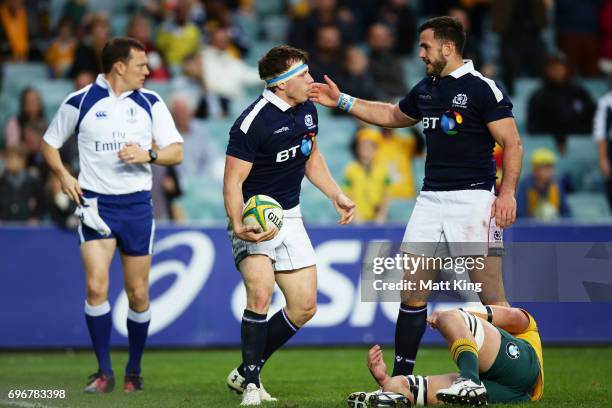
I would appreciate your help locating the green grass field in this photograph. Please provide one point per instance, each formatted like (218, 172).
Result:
(322, 377)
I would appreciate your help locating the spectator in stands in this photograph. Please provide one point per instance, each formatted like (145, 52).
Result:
(386, 67)
(191, 81)
(75, 11)
(560, 106)
(322, 13)
(498, 156)
(140, 29)
(539, 195)
(218, 62)
(356, 78)
(32, 135)
(326, 59)
(14, 35)
(520, 24)
(178, 37)
(202, 159)
(61, 51)
(602, 134)
(605, 30)
(578, 34)
(31, 111)
(165, 191)
(88, 52)
(399, 16)
(20, 198)
(366, 182)
(83, 79)
(396, 152)
(197, 11)
(219, 14)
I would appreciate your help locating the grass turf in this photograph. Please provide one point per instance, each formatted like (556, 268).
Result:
(317, 377)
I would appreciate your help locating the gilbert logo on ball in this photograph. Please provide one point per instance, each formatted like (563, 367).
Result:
(263, 211)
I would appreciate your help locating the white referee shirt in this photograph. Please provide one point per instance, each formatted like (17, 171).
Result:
(602, 121)
(103, 123)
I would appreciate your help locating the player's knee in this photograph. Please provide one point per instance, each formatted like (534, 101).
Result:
(97, 291)
(138, 298)
(306, 312)
(259, 300)
(449, 318)
(396, 384)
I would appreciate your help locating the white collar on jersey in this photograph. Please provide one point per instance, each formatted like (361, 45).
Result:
(467, 67)
(275, 100)
(103, 82)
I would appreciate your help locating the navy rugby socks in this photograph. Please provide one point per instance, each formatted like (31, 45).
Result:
(280, 330)
(138, 329)
(409, 329)
(99, 324)
(253, 333)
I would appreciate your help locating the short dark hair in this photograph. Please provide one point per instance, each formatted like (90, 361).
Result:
(446, 28)
(279, 59)
(118, 49)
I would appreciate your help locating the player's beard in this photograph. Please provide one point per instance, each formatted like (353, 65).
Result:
(438, 65)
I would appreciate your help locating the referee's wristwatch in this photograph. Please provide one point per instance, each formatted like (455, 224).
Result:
(152, 155)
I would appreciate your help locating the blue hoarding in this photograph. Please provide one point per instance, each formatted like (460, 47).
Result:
(197, 296)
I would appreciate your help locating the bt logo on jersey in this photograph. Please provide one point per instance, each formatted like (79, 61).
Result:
(285, 155)
(305, 147)
(430, 123)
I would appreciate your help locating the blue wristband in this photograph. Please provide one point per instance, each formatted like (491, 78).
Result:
(345, 102)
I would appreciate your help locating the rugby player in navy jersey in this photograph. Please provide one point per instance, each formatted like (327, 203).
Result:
(463, 115)
(272, 146)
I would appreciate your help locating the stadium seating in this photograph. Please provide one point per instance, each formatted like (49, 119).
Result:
(201, 202)
(589, 207)
(17, 75)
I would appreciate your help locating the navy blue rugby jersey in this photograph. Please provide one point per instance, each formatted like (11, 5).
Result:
(455, 111)
(278, 140)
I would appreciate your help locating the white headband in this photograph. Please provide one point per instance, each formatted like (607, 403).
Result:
(293, 71)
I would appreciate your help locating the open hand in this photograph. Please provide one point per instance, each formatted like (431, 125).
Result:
(326, 94)
(377, 366)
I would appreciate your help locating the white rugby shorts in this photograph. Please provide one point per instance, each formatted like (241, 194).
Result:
(291, 249)
(452, 223)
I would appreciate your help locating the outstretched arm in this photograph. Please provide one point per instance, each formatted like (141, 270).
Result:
(377, 113)
(319, 175)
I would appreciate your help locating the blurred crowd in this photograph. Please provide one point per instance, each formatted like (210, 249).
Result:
(202, 49)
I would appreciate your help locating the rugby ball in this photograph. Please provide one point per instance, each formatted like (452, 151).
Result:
(262, 211)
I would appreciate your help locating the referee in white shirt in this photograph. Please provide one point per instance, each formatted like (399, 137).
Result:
(121, 129)
(602, 133)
